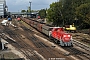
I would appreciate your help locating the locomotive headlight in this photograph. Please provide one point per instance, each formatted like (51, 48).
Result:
(68, 35)
(64, 36)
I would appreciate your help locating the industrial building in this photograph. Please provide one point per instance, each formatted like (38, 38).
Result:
(3, 8)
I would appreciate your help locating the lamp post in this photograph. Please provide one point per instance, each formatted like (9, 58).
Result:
(30, 6)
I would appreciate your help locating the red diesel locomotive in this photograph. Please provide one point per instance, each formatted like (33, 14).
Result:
(57, 33)
(61, 37)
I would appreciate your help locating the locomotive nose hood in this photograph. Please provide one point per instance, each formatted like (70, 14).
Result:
(66, 37)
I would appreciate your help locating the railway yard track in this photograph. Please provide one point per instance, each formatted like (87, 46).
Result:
(81, 51)
(21, 46)
(84, 38)
(27, 50)
(85, 48)
(33, 48)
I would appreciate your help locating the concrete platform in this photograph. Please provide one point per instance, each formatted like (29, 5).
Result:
(8, 55)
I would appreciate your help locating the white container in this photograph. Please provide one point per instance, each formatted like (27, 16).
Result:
(4, 22)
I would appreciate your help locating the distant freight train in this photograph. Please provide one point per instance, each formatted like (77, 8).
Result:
(57, 33)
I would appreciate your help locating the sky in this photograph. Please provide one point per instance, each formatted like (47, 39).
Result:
(18, 5)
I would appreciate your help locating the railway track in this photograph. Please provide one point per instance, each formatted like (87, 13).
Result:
(85, 38)
(80, 51)
(84, 48)
(85, 41)
(21, 45)
(45, 50)
(42, 48)
(19, 42)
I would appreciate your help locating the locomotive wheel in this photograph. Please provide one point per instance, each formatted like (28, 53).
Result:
(55, 40)
(61, 43)
(65, 44)
(58, 42)
(50, 37)
(71, 44)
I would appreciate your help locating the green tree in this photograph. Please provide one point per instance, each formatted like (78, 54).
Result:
(28, 10)
(23, 10)
(67, 11)
(54, 14)
(42, 13)
(83, 14)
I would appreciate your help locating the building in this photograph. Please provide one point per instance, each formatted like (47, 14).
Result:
(24, 14)
(3, 8)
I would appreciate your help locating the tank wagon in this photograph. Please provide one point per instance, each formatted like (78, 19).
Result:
(57, 33)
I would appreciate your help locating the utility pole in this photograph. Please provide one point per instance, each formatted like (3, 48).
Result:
(30, 6)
